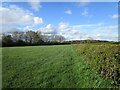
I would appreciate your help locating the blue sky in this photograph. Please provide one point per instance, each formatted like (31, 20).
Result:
(73, 20)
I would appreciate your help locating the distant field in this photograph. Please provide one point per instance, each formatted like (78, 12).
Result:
(49, 67)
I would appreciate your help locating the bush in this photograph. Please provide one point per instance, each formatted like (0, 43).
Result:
(104, 58)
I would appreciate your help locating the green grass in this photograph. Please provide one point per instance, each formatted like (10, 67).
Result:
(48, 67)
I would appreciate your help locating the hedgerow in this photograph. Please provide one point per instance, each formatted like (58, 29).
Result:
(105, 58)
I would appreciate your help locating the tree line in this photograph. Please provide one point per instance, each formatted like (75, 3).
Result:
(33, 38)
(30, 38)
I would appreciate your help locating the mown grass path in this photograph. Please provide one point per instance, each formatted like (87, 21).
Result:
(48, 67)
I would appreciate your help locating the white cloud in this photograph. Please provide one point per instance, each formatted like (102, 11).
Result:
(13, 15)
(16, 29)
(27, 28)
(88, 25)
(85, 12)
(112, 27)
(98, 33)
(68, 12)
(11, 30)
(48, 29)
(35, 5)
(106, 33)
(106, 28)
(38, 20)
(105, 36)
(49, 26)
(115, 16)
(74, 34)
(63, 25)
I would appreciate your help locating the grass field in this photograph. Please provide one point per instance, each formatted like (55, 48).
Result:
(48, 67)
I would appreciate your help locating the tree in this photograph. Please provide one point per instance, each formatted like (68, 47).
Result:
(58, 38)
(29, 36)
(45, 38)
(33, 37)
(37, 38)
(18, 36)
(89, 38)
(21, 35)
(15, 36)
(61, 38)
(7, 40)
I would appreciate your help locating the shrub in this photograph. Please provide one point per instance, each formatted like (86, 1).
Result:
(103, 57)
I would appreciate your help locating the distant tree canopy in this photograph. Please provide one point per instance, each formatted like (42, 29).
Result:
(36, 38)
(30, 38)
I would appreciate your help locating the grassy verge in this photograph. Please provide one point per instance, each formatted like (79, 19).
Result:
(105, 58)
(48, 67)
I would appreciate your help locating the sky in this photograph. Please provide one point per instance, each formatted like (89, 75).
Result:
(73, 20)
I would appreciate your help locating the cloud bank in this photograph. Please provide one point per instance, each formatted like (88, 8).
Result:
(13, 15)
